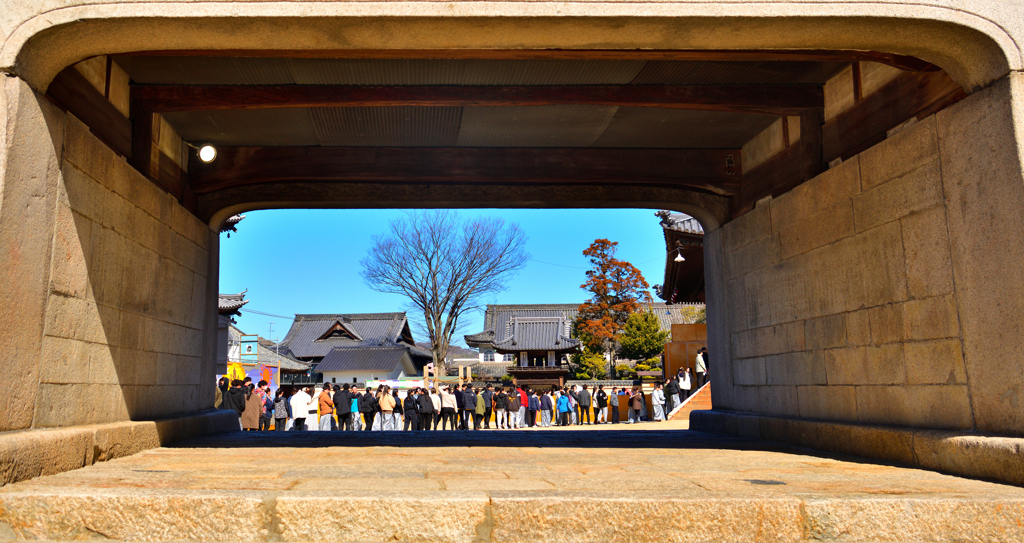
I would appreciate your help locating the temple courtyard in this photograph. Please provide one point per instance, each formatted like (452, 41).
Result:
(648, 482)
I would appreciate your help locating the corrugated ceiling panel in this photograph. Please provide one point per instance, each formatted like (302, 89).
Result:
(536, 126)
(734, 73)
(207, 70)
(268, 127)
(387, 126)
(641, 127)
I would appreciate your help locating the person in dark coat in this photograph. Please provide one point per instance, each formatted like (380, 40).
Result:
(488, 395)
(671, 395)
(343, 406)
(410, 410)
(368, 408)
(460, 408)
(468, 406)
(532, 408)
(546, 408)
(235, 399)
(425, 408)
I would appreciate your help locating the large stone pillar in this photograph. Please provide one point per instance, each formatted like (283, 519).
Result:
(981, 142)
(30, 137)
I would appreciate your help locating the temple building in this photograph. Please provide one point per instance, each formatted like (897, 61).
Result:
(343, 347)
(684, 259)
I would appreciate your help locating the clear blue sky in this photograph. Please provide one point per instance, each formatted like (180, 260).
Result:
(307, 260)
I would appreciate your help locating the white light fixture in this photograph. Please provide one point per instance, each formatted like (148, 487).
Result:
(207, 153)
(679, 257)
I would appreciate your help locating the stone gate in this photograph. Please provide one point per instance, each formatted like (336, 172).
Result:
(863, 247)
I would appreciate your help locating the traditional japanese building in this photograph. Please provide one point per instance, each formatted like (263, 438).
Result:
(343, 346)
(684, 259)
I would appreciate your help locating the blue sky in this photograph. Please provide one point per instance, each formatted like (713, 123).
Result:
(307, 260)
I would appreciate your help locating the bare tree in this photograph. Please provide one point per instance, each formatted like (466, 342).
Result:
(444, 265)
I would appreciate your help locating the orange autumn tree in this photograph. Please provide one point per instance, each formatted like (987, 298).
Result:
(617, 288)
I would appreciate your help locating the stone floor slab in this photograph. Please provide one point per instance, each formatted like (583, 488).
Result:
(476, 487)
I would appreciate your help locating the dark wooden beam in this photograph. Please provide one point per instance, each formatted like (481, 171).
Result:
(711, 170)
(784, 171)
(141, 156)
(72, 91)
(764, 99)
(899, 61)
(867, 122)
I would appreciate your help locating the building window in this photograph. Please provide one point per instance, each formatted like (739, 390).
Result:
(538, 360)
(488, 356)
(354, 380)
(334, 380)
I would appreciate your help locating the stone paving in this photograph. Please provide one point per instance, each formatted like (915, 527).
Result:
(611, 485)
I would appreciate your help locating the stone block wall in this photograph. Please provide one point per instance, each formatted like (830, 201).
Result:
(118, 320)
(858, 296)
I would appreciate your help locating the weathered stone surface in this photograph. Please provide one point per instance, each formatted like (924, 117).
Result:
(825, 332)
(827, 402)
(900, 154)
(749, 371)
(754, 256)
(932, 318)
(142, 515)
(919, 406)
(819, 229)
(799, 368)
(861, 271)
(858, 327)
(926, 248)
(373, 515)
(983, 183)
(30, 182)
(751, 227)
(882, 365)
(924, 520)
(29, 454)
(589, 516)
(769, 340)
(915, 191)
(935, 362)
(827, 190)
(986, 457)
(970, 455)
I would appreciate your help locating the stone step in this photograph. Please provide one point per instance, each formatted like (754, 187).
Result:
(478, 487)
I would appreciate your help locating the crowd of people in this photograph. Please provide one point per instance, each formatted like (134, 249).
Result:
(346, 407)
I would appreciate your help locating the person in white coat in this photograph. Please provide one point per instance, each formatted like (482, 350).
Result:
(686, 383)
(300, 407)
(658, 401)
(312, 419)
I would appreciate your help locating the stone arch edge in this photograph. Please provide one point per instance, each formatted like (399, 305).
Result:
(974, 48)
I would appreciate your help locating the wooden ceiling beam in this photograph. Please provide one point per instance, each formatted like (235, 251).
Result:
(763, 99)
(902, 62)
(715, 171)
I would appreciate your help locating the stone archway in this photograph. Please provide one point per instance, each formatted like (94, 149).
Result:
(100, 259)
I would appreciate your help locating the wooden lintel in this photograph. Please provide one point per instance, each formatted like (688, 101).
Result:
(764, 99)
(715, 171)
(868, 121)
(903, 62)
(71, 90)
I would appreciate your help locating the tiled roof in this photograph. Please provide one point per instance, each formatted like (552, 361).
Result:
(374, 329)
(680, 222)
(364, 359)
(231, 222)
(498, 319)
(229, 304)
(538, 334)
